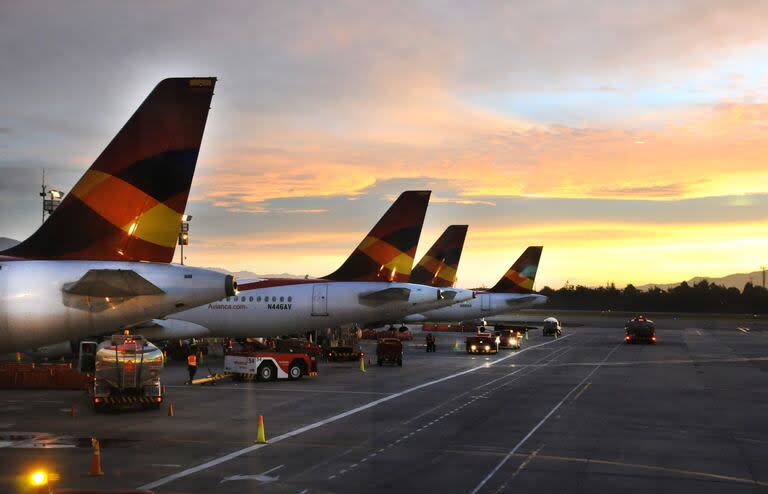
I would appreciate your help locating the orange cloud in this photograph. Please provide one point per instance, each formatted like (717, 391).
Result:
(713, 151)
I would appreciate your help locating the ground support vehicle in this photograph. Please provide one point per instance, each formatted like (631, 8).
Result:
(389, 350)
(551, 327)
(269, 366)
(640, 329)
(510, 338)
(483, 343)
(126, 372)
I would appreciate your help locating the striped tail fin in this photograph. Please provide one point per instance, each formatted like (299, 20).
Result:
(522, 274)
(128, 205)
(386, 253)
(439, 265)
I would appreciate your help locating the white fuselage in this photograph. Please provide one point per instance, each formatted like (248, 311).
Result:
(477, 309)
(290, 309)
(35, 310)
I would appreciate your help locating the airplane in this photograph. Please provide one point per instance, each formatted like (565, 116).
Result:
(101, 260)
(513, 291)
(438, 267)
(371, 285)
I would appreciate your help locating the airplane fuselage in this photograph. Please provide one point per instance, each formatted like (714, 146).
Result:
(36, 309)
(295, 308)
(477, 309)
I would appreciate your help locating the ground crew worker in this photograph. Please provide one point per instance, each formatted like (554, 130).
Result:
(430, 342)
(191, 366)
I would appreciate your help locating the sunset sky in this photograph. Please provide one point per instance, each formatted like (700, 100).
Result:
(628, 138)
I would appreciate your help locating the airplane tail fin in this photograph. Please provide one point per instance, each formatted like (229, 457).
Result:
(522, 274)
(386, 253)
(128, 205)
(438, 266)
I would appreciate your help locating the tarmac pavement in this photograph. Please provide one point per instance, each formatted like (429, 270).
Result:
(583, 413)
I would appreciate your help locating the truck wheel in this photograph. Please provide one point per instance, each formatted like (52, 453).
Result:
(266, 372)
(295, 370)
(400, 361)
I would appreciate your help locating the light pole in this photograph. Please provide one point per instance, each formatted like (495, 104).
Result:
(184, 234)
(51, 198)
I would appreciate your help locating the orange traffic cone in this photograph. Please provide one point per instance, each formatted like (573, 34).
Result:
(95, 459)
(72, 411)
(362, 364)
(261, 437)
(170, 409)
(162, 390)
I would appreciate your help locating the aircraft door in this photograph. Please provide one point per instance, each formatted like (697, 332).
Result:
(4, 268)
(320, 300)
(485, 301)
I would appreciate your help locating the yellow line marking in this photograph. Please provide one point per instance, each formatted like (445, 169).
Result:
(638, 466)
(582, 391)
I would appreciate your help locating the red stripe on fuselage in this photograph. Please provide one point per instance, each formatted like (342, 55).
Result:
(269, 283)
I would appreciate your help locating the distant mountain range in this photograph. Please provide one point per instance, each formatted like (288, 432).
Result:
(732, 280)
(244, 275)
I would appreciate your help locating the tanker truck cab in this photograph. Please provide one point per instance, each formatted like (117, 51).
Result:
(126, 372)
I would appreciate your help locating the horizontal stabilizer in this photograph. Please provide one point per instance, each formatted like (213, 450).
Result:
(112, 283)
(447, 294)
(521, 300)
(381, 297)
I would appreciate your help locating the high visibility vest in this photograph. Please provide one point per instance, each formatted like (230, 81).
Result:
(192, 360)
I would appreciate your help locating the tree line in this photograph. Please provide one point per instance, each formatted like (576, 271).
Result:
(700, 297)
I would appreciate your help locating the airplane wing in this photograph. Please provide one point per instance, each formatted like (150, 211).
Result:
(112, 283)
(381, 297)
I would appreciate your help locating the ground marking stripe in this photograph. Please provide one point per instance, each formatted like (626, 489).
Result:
(299, 390)
(541, 422)
(306, 428)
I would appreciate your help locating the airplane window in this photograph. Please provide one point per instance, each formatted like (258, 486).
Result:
(258, 299)
(274, 299)
(250, 299)
(242, 299)
(282, 298)
(290, 299)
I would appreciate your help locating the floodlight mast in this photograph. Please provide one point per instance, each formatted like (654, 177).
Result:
(184, 233)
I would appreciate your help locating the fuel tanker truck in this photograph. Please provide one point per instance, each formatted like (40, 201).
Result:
(126, 372)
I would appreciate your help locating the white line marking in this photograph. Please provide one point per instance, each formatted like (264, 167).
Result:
(353, 411)
(541, 422)
(743, 330)
(267, 389)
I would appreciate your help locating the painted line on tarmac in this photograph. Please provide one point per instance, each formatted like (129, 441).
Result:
(640, 466)
(306, 428)
(541, 422)
(299, 390)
